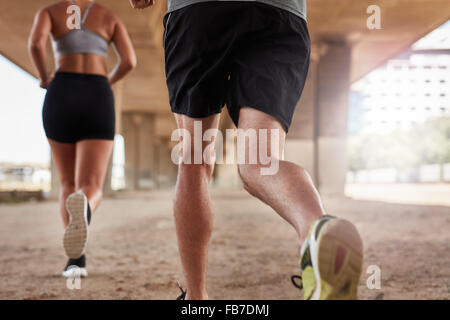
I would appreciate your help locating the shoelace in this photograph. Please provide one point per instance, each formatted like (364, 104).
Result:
(183, 292)
(294, 280)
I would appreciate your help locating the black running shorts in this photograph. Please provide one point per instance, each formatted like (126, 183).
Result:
(235, 54)
(79, 107)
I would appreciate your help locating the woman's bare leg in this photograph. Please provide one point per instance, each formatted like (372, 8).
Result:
(63, 155)
(92, 158)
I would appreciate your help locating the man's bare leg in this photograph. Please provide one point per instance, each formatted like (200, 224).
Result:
(192, 210)
(333, 255)
(290, 192)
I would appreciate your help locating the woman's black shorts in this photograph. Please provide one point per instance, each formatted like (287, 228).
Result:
(79, 107)
(235, 53)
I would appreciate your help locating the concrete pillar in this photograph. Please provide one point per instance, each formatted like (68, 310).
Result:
(148, 142)
(118, 99)
(300, 140)
(140, 140)
(165, 170)
(131, 134)
(317, 138)
(333, 85)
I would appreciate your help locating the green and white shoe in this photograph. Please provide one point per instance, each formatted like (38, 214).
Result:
(331, 261)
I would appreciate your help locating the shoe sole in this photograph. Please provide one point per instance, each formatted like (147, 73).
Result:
(76, 234)
(339, 261)
(78, 273)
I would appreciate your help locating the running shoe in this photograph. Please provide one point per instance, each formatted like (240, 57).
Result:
(75, 268)
(76, 234)
(331, 261)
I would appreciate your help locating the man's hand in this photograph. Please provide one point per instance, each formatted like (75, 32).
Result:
(142, 4)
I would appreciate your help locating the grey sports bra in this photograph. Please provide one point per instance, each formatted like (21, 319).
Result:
(81, 40)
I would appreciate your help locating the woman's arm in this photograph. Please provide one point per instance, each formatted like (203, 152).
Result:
(125, 51)
(37, 45)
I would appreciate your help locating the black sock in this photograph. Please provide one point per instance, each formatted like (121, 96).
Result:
(89, 214)
(80, 262)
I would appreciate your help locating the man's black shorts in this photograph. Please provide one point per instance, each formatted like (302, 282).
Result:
(235, 53)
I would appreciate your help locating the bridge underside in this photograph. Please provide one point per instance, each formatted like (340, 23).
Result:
(343, 50)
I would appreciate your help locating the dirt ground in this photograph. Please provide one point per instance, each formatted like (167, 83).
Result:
(132, 251)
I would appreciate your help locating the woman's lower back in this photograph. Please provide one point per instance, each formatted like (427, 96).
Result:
(82, 63)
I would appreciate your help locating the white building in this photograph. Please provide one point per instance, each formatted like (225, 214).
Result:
(409, 89)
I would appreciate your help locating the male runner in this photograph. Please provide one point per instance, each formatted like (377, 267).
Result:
(252, 56)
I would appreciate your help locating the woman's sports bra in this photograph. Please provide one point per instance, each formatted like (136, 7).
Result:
(81, 40)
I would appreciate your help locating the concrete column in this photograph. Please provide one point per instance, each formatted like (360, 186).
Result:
(333, 84)
(317, 138)
(140, 140)
(118, 99)
(300, 140)
(165, 170)
(128, 133)
(148, 156)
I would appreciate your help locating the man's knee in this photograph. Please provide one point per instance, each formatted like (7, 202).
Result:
(194, 172)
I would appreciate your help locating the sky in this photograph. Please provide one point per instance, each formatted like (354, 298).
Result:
(438, 39)
(22, 137)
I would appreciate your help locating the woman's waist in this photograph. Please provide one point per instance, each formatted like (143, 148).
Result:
(82, 64)
(80, 83)
(80, 75)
